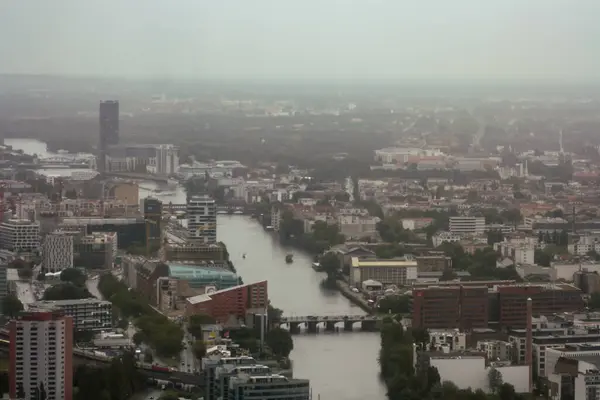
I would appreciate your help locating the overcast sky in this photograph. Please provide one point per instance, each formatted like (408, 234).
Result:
(552, 40)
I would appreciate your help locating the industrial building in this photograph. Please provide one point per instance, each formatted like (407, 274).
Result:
(131, 231)
(399, 272)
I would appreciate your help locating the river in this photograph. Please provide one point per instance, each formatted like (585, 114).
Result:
(340, 366)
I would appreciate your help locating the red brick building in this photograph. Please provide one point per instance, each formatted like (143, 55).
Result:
(450, 307)
(547, 299)
(235, 302)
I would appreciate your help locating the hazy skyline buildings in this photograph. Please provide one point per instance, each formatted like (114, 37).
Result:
(109, 129)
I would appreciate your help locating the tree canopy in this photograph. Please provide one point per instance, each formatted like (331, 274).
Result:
(66, 291)
(280, 342)
(74, 276)
(11, 305)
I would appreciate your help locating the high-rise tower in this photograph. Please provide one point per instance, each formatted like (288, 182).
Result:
(109, 129)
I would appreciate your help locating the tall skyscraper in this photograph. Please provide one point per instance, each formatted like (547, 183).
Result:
(109, 129)
(202, 219)
(41, 355)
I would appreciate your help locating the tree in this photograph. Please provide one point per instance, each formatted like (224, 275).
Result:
(280, 341)
(274, 314)
(74, 276)
(195, 323)
(169, 396)
(66, 291)
(25, 273)
(138, 338)
(398, 304)
(11, 305)
(331, 265)
(494, 380)
(199, 349)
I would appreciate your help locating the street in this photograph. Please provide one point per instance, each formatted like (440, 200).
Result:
(188, 360)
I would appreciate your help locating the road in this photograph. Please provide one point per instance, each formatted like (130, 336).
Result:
(25, 293)
(92, 287)
(188, 360)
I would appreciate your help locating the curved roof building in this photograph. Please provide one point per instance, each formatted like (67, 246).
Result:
(201, 276)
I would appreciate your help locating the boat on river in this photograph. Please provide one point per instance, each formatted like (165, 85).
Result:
(289, 258)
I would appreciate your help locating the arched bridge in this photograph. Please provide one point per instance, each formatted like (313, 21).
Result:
(330, 323)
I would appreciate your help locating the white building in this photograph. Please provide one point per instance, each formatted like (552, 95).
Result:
(495, 349)
(447, 340)
(166, 161)
(357, 226)
(20, 235)
(57, 251)
(582, 379)
(202, 219)
(585, 244)
(399, 272)
(42, 352)
(445, 237)
(88, 314)
(467, 225)
(275, 218)
(519, 253)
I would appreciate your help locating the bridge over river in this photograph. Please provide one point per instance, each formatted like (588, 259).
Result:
(331, 323)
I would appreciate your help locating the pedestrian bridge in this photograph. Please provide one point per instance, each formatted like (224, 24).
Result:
(330, 323)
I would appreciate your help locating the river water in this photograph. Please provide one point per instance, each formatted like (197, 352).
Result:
(340, 366)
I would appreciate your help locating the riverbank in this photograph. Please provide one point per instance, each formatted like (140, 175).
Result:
(355, 298)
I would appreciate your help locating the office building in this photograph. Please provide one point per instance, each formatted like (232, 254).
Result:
(398, 271)
(41, 352)
(235, 302)
(242, 378)
(548, 299)
(153, 216)
(467, 225)
(58, 251)
(202, 219)
(20, 235)
(166, 160)
(109, 122)
(87, 314)
(575, 377)
(130, 230)
(95, 251)
(450, 307)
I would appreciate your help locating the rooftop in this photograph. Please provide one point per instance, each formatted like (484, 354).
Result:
(205, 297)
(371, 262)
(186, 271)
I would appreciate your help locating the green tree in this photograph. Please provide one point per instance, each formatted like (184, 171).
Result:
(195, 323)
(138, 338)
(330, 263)
(494, 380)
(169, 396)
(66, 291)
(274, 314)
(397, 304)
(25, 273)
(74, 276)
(280, 341)
(199, 349)
(11, 305)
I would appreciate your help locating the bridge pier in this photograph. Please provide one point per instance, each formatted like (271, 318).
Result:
(312, 327)
(369, 326)
(330, 326)
(348, 326)
(294, 327)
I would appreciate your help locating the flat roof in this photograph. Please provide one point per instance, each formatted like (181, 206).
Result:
(198, 271)
(205, 297)
(90, 300)
(358, 263)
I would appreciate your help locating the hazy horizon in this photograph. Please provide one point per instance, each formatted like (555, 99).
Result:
(342, 40)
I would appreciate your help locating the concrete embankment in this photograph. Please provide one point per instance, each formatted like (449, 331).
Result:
(355, 298)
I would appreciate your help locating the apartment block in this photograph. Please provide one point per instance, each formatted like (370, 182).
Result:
(87, 314)
(399, 272)
(41, 352)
